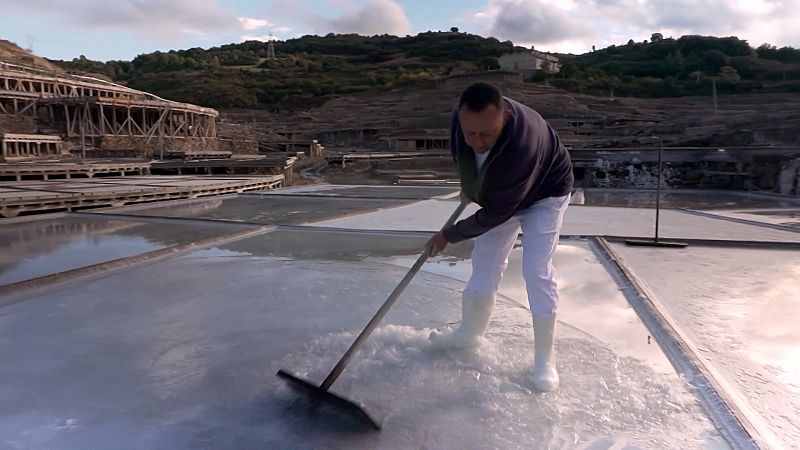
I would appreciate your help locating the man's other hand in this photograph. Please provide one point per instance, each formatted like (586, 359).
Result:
(437, 243)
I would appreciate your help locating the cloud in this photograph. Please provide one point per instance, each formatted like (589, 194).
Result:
(274, 34)
(249, 23)
(710, 16)
(263, 38)
(149, 19)
(371, 18)
(533, 21)
(172, 22)
(156, 19)
(574, 26)
(757, 21)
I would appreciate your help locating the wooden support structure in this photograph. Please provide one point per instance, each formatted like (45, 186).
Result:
(87, 108)
(97, 117)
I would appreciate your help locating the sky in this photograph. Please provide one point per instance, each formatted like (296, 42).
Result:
(121, 29)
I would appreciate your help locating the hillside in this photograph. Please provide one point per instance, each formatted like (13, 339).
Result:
(13, 54)
(306, 71)
(666, 67)
(310, 70)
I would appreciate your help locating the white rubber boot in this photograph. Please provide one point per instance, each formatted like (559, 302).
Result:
(476, 310)
(545, 376)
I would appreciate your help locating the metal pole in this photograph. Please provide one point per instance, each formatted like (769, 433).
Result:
(388, 304)
(655, 242)
(714, 93)
(658, 184)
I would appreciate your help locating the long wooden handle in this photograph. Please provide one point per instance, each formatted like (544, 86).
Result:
(387, 305)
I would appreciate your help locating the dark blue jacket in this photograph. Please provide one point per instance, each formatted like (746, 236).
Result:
(527, 164)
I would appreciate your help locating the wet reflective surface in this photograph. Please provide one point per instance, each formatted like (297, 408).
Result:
(639, 222)
(187, 360)
(265, 209)
(44, 247)
(696, 199)
(403, 192)
(785, 217)
(740, 307)
(579, 220)
(182, 353)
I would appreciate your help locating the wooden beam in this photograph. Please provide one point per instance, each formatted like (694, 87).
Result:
(29, 106)
(102, 120)
(66, 114)
(114, 119)
(157, 125)
(125, 125)
(95, 124)
(141, 130)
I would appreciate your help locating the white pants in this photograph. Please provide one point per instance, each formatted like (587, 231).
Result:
(540, 225)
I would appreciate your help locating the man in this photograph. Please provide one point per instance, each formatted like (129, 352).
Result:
(512, 164)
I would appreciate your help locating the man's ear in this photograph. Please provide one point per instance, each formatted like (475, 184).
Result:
(506, 116)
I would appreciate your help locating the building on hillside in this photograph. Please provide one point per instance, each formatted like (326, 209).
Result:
(504, 77)
(529, 62)
(26, 146)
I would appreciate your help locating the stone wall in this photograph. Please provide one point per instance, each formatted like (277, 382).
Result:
(12, 124)
(141, 147)
(781, 176)
(238, 146)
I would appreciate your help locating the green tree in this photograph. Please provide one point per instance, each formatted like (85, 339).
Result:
(728, 73)
(714, 60)
(539, 76)
(570, 70)
(489, 63)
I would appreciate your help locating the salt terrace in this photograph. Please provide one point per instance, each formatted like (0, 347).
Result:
(163, 325)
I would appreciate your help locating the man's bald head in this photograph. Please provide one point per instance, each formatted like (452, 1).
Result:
(482, 116)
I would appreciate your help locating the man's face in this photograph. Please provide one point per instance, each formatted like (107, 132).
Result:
(482, 129)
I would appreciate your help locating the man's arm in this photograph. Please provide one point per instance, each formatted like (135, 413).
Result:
(504, 197)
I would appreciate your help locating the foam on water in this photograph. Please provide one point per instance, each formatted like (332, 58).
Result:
(483, 398)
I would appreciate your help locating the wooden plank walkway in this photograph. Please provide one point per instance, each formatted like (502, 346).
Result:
(69, 195)
(44, 170)
(279, 162)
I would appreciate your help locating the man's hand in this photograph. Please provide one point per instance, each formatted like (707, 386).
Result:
(437, 243)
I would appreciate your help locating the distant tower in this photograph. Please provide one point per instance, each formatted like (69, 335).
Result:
(270, 51)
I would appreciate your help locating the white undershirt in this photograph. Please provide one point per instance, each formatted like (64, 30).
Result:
(480, 158)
